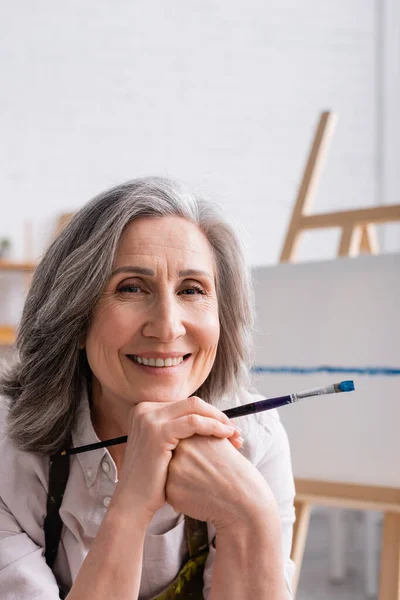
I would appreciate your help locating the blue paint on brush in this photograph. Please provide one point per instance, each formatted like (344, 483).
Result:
(373, 371)
(346, 386)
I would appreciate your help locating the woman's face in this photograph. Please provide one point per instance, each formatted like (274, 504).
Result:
(155, 331)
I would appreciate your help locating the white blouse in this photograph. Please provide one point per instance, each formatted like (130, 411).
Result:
(24, 574)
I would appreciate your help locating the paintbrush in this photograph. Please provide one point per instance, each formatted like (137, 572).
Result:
(238, 411)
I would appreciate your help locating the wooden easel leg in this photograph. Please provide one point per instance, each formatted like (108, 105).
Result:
(358, 238)
(291, 244)
(369, 239)
(308, 184)
(300, 531)
(350, 241)
(389, 588)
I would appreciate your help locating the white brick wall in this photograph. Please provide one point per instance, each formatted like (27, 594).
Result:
(224, 95)
(390, 115)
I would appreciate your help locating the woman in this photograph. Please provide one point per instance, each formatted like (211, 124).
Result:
(137, 323)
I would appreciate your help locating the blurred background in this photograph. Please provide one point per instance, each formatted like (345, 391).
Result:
(225, 96)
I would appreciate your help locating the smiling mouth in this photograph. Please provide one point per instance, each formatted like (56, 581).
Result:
(158, 362)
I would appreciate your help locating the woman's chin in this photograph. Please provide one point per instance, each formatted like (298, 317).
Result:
(157, 394)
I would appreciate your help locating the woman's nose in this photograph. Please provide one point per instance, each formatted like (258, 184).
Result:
(165, 321)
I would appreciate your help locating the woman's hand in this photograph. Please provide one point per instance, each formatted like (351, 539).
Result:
(208, 479)
(155, 430)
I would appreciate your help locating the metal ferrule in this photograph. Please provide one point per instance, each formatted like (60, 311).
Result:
(317, 392)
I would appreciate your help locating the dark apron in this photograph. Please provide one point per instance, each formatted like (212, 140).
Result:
(189, 581)
(188, 584)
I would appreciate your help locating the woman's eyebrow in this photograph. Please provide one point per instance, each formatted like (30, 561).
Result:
(150, 272)
(129, 269)
(194, 273)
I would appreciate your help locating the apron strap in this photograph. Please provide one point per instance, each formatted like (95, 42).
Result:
(58, 477)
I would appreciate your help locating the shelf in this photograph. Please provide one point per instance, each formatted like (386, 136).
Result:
(8, 265)
(7, 335)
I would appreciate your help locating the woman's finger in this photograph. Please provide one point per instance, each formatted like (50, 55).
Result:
(192, 405)
(236, 440)
(188, 425)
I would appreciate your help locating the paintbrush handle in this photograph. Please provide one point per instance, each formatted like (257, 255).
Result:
(113, 442)
(259, 406)
(237, 411)
(232, 413)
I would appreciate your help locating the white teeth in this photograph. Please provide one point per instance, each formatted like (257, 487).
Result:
(158, 362)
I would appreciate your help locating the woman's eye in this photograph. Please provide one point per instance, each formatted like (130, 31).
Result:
(193, 290)
(132, 289)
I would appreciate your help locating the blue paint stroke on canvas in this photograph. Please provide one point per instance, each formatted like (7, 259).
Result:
(377, 371)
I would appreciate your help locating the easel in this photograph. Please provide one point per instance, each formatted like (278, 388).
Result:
(358, 235)
(358, 232)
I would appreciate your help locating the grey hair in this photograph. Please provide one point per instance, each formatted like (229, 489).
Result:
(43, 385)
